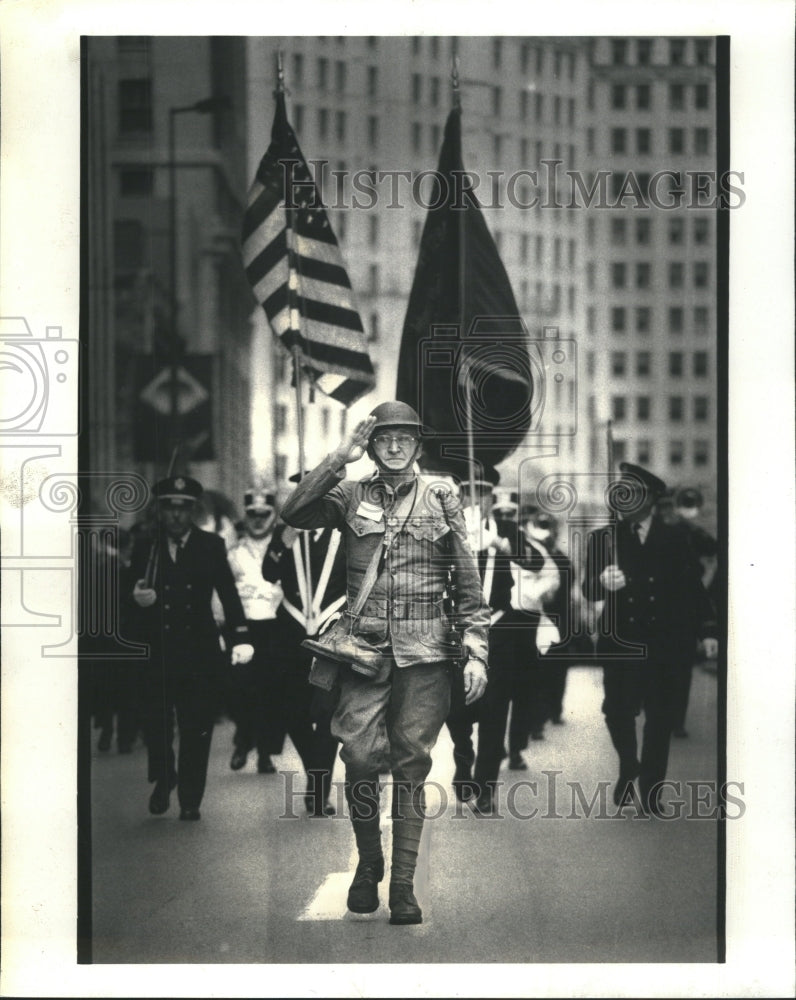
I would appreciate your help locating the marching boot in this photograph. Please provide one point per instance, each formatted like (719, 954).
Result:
(363, 894)
(406, 833)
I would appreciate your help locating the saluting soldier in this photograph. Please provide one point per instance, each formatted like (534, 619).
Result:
(655, 609)
(176, 577)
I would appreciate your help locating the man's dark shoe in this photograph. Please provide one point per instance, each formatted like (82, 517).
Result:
(159, 799)
(104, 742)
(403, 905)
(265, 766)
(484, 805)
(190, 814)
(623, 789)
(239, 759)
(516, 763)
(363, 895)
(537, 734)
(318, 809)
(463, 786)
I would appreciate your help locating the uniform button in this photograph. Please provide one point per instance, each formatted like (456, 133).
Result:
(167, 587)
(167, 607)
(652, 579)
(166, 627)
(630, 600)
(652, 597)
(188, 586)
(631, 619)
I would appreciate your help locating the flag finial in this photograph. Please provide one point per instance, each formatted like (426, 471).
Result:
(280, 72)
(455, 92)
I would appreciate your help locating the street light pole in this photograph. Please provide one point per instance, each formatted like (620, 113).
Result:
(203, 107)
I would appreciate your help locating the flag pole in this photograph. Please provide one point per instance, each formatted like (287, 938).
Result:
(292, 288)
(609, 448)
(462, 246)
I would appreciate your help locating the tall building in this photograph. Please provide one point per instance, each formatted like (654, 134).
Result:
(167, 176)
(650, 335)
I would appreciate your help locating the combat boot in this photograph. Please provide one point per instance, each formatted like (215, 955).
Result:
(406, 833)
(363, 894)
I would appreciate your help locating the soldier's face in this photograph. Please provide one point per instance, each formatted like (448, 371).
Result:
(258, 523)
(176, 519)
(395, 449)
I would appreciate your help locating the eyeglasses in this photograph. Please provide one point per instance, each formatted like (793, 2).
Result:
(402, 440)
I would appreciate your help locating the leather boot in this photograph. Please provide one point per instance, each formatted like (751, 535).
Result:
(363, 894)
(406, 833)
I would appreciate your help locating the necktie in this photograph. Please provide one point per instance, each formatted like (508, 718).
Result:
(178, 551)
(636, 529)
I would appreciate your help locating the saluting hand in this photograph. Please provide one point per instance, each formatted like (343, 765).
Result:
(355, 445)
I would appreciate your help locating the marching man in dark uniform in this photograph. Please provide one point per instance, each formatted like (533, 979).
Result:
(404, 538)
(491, 711)
(176, 577)
(655, 608)
(305, 608)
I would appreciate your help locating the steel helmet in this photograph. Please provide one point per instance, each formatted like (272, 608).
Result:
(395, 414)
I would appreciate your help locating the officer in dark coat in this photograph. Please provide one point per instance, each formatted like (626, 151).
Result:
(176, 576)
(655, 610)
(491, 711)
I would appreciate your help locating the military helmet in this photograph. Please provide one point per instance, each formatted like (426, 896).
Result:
(395, 414)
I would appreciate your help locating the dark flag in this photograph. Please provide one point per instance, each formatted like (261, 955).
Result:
(295, 268)
(464, 350)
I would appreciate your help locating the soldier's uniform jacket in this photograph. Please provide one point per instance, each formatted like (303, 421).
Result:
(663, 605)
(405, 606)
(181, 621)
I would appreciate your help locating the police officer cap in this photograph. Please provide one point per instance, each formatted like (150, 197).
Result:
(484, 482)
(689, 496)
(655, 486)
(258, 502)
(178, 490)
(395, 414)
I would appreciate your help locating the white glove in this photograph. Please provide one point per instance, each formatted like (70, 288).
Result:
(710, 648)
(242, 653)
(144, 596)
(612, 578)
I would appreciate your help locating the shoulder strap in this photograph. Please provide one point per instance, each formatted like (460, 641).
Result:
(403, 510)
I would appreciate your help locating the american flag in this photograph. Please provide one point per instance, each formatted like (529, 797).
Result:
(294, 265)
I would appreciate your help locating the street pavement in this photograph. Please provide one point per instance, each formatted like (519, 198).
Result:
(553, 877)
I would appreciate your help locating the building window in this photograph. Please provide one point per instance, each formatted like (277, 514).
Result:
(618, 51)
(643, 274)
(701, 231)
(676, 140)
(434, 47)
(675, 409)
(701, 319)
(676, 96)
(618, 408)
(676, 231)
(591, 319)
(497, 100)
(557, 110)
(643, 364)
(702, 96)
(339, 76)
(618, 140)
(373, 278)
(590, 363)
(434, 91)
(704, 47)
(618, 231)
(136, 182)
(643, 231)
(417, 87)
(497, 53)
(676, 274)
(298, 69)
(416, 40)
(538, 248)
(557, 56)
(643, 452)
(701, 274)
(700, 364)
(524, 241)
(570, 299)
(701, 452)
(280, 418)
(135, 105)
(128, 246)
(571, 250)
(298, 118)
(571, 111)
(618, 363)
(701, 408)
(643, 97)
(675, 319)
(525, 55)
(373, 131)
(676, 364)
(618, 319)
(373, 336)
(676, 452)
(417, 226)
(618, 275)
(340, 125)
(373, 81)
(416, 138)
(620, 451)
(644, 51)
(677, 51)
(643, 319)
(373, 230)
(701, 141)
(643, 408)
(322, 73)
(323, 123)
(618, 96)
(643, 141)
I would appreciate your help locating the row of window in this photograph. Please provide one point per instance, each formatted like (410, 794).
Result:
(644, 406)
(676, 141)
(675, 229)
(680, 96)
(642, 316)
(676, 452)
(640, 51)
(531, 57)
(642, 272)
(676, 363)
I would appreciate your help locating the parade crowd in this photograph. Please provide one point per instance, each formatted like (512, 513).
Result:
(467, 605)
